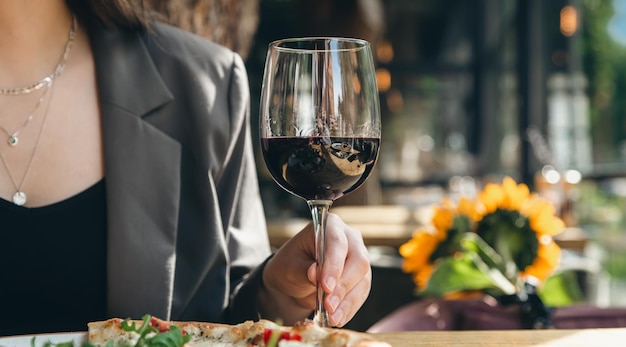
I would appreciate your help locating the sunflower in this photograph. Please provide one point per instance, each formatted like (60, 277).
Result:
(519, 225)
(510, 231)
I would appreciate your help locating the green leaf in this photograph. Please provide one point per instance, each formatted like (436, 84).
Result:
(506, 267)
(474, 243)
(144, 328)
(149, 336)
(457, 273)
(561, 289)
(172, 338)
(502, 285)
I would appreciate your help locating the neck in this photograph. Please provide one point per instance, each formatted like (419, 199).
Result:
(33, 34)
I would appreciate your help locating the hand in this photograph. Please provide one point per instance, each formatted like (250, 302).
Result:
(290, 276)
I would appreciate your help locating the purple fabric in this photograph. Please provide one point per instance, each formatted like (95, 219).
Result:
(487, 314)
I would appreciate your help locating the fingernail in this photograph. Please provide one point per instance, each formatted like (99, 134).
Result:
(338, 317)
(331, 282)
(333, 301)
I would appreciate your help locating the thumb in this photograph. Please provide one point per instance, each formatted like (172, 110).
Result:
(312, 273)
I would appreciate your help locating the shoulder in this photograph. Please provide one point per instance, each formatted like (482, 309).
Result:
(170, 44)
(188, 61)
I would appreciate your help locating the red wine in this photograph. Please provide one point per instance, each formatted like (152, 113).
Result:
(320, 168)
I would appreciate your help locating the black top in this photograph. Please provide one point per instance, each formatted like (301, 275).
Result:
(41, 251)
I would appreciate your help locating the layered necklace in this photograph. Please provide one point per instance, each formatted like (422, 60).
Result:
(46, 83)
(47, 80)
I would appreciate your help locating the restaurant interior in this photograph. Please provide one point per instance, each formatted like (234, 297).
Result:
(472, 91)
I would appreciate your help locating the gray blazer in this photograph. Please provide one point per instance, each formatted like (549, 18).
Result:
(185, 221)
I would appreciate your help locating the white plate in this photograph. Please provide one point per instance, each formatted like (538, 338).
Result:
(25, 340)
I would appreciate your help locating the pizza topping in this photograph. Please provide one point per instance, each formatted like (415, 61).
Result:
(162, 326)
(158, 335)
(270, 337)
(154, 332)
(277, 335)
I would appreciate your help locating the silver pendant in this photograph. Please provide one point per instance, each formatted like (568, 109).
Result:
(19, 198)
(13, 140)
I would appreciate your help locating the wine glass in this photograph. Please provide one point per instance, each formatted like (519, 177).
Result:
(320, 125)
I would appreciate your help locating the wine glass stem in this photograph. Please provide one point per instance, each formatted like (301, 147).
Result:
(319, 212)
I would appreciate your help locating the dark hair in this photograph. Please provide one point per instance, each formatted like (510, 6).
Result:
(131, 14)
(231, 23)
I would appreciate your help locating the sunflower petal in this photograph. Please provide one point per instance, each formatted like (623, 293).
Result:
(491, 196)
(469, 208)
(548, 258)
(417, 250)
(515, 194)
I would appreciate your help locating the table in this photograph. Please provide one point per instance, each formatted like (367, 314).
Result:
(515, 338)
(381, 225)
(392, 225)
(392, 235)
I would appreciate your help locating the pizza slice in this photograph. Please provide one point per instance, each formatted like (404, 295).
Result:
(116, 332)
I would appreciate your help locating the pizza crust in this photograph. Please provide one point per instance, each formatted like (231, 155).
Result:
(249, 333)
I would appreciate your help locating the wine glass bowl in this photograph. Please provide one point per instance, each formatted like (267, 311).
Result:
(320, 124)
(318, 168)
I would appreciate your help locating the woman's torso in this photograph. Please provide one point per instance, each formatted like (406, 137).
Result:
(53, 247)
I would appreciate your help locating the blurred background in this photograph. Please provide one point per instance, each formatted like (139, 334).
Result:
(471, 91)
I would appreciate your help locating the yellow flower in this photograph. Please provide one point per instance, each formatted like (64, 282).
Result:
(417, 250)
(509, 195)
(513, 209)
(515, 223)
(443, 217)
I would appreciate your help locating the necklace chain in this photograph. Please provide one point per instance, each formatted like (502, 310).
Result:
(19, 198)
(13, 139)
(47, 80)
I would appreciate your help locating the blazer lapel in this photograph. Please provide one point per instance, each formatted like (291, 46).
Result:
(142, 166)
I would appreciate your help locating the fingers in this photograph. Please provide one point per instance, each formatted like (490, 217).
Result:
(337, 251)
(351, 303)
(346, 274)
